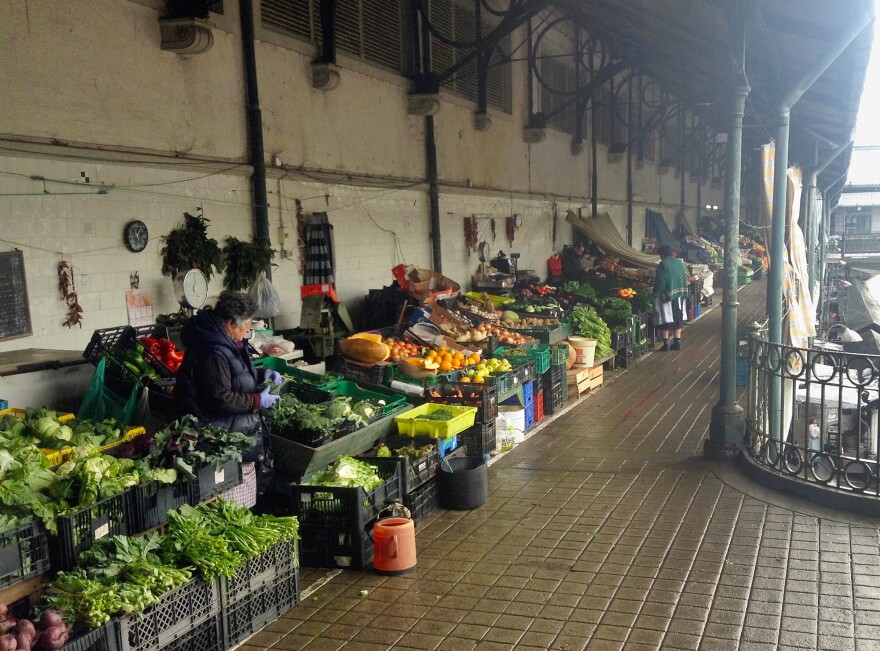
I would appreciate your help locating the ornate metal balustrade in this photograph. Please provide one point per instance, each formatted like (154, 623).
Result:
(813, 415)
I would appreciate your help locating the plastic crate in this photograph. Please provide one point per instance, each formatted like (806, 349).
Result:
(103, 638)
(559, 353)
(742, 347)
(333, 506)
(148, 504)
(178, 614)
(422, 501)
(502, 382)
(549, 334)
(409, 423)
(554, 398)
(207, 636)
(556, 374)
(24, 553)
(482, 396)
(479, 439)
(336, 523)
(393, 401)
(362, 373)
(78, 531)
(211, 481)
(413, 472)
(539, 406)
(327, 381)
(530, 415)
(114, 342)
(540, 354)
(619, 339)
(280, 559)
(249, 613)
(525, 372)
(425, 382)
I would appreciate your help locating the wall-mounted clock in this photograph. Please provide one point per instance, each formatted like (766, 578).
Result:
(191, 288)
(136, 236)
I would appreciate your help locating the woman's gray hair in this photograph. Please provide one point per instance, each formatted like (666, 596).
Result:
(235, 306)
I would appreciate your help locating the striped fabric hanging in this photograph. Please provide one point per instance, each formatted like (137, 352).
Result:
(320, 259)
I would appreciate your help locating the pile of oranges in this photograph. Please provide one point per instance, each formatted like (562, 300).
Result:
(451, 360)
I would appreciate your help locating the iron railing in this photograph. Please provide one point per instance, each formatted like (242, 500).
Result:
(813, 414)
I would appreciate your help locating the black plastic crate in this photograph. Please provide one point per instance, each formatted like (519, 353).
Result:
(619, 339)
(344, 547)
(114, 342)
(24, 553)
(360, 373)
(554, 398)
(248, 614)
(413, 472)
(78, 531)
(554, 376)
(336, 507)
(207, 636)
(336, 523)
(104, 638)
(277, 561)
(170, 621)
(525, 372)
(482, 396)
(479, 439)
(210, 481)
(423, 501)
(149, 503)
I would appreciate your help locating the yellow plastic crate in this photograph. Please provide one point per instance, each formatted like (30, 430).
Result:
(497, 301)
(62, 417)
(409, 423)
(130, 434)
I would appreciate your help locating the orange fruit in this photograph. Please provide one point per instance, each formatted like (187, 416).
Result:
(478, 379)
(473, 359)
(464, 378)
(457, 355)
(445, 365)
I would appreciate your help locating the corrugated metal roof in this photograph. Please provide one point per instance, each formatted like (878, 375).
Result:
(688, 46)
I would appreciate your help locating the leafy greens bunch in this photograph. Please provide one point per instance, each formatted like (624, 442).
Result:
(218, 537)
(186, 445)
(117, 576)
(587, 323)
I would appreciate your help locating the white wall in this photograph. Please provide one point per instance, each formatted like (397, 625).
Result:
(164, 134)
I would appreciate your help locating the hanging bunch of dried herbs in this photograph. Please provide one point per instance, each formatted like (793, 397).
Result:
(244, 263)
(189, 247)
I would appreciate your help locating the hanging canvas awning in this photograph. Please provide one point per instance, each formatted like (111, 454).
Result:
(603, 233)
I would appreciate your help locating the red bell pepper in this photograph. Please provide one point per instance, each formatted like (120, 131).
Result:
(174, 356)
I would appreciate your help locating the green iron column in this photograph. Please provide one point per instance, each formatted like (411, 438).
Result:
(728, 425)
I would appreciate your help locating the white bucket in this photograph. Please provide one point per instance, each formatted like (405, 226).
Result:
(585, 351)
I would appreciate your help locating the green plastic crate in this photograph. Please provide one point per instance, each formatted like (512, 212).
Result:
(540, 353)
(431, 380)
(409, 423)
(393, 401)
(559, 353)
(327, 381)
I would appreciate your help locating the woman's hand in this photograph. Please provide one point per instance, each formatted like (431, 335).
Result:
(267, 398)
(274, 377)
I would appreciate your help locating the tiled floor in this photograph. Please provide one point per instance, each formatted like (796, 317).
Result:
(607, 530)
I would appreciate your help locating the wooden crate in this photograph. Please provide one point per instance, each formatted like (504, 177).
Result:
(583, 380)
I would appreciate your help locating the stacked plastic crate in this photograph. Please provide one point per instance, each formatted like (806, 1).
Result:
(480, 438)
(554, 381)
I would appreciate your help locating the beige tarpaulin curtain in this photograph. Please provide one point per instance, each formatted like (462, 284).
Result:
(604, 234)
(768, 160)
(796, 282)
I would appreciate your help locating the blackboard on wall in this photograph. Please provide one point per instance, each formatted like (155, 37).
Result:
(15, 311)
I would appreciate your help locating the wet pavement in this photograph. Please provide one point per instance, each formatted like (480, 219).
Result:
(606, 529)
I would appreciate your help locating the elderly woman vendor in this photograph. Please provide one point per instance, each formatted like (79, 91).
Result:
(217, 382)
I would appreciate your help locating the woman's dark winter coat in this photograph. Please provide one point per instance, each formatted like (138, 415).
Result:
(217, 381)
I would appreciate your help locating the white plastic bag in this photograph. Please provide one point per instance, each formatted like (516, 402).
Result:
(266, 297)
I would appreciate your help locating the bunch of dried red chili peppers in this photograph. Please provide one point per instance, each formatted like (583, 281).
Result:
(68, 295)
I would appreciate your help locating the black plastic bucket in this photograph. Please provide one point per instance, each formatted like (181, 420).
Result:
(466, 486)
